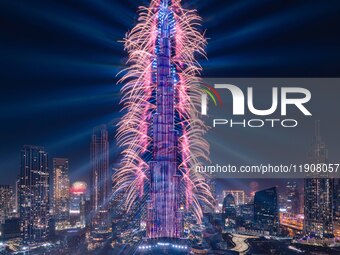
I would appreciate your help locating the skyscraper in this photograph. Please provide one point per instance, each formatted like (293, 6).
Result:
(34, 194)
(17, 193)
(318, 200)
(164, 215)
(61, 194)
(293, 198)
(77, 204)
(161, 133)
(100, 179)
(7, 203)
(212, 185)
(266, 210)
(337, 209)
(229, 210)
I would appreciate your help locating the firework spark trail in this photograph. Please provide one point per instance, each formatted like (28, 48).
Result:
(139, 98)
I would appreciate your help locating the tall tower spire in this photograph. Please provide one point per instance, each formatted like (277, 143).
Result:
(161, 134)
(164, 218)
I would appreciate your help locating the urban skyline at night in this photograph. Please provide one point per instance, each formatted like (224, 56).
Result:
(244, 210)
(109, 143)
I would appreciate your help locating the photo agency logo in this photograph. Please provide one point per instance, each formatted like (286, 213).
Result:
(242, 100)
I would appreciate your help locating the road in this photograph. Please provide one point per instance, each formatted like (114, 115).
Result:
(241, 245)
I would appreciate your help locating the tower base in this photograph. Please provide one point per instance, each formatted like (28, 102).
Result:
(164, 246)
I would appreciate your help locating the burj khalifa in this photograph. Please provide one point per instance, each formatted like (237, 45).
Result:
(161, 133)
(164, 216)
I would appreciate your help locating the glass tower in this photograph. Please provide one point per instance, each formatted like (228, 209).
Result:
(61, 187)
(318, 205)
(100, 179)
(266, 211)
(164, 215)
(34, 194)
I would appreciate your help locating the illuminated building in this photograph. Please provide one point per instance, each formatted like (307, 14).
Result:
(292, 198)
(161, 134)
(318, 201)
(249, 198)
(292, 222)
(7, 210)
(100, 179)
(164, 216)
(239, 196)
(78, 204)
(7, 203)
(61, 194)
(247, 212)
(212, 186)
(337, 209)
(266, 211)
(229, 210)
(17, 188)
(34, 194)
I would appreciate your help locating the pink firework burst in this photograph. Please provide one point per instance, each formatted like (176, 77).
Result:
(139, 99)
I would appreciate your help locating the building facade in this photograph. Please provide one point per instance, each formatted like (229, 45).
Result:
(34, 194)
(318, 191)
(7, 203)
(293, 198)
(100, 187)
(77, 204)
(266, 210)
(337, 209)
(229, 210)
(164, 218)
(61, 191)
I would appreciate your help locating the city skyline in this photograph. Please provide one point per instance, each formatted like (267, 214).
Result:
(237, 214)
(101, 149)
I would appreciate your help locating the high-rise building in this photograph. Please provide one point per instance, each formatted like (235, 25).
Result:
(212, 185)
(249, 198)
(292, 198)
(77, 204)
(266, 210)
(17, 189)
(229, 210)
(100, 187)
(318, 200)
(239, 196)
(337, 209)
(337, 197)
(61, 194)
(7, 203)
(247, 212)
(161, 134)
(164, 215)
(34, 194)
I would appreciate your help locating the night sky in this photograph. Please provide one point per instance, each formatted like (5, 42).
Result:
(60, 59)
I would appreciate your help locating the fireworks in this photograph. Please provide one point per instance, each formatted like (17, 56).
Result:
(135, 132)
